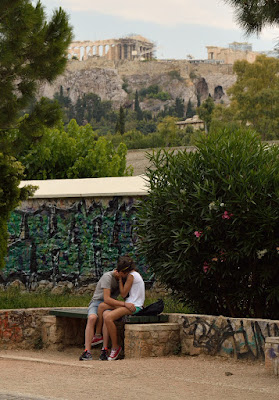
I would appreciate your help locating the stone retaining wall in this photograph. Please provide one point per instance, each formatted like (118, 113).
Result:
(21, 329)
(151, 340)
(193, 334)
(272, 355)
(230, 337)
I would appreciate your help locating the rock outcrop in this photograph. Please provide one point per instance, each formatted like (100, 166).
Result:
(108, 79)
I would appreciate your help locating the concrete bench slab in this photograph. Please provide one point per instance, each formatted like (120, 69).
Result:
(128, 319)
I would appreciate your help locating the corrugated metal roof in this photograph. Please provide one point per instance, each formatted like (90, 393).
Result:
(90, 187)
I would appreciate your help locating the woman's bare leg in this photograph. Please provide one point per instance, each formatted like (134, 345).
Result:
(109, 319)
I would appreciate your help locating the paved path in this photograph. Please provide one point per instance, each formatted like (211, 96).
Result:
(60, 376)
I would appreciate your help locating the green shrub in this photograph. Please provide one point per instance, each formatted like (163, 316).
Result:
(174, 74)
(210, 225)
(163, 96)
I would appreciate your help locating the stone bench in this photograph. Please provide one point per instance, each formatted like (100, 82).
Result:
(128, 319)
(140, 336)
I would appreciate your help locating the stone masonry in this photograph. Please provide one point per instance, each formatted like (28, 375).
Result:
(190, 334)
(272, 355)
(151, 340)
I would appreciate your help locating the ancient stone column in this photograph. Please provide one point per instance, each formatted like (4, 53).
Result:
(119, 52)
(130, 49)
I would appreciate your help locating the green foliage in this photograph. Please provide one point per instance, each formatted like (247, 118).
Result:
(73, 153)
(190, 112)
(193, 75)
(32, 51)
(255, 96)
(205, 112)
(163, 96)
(13, 298)
(151, 90)
(88, 109)
(11, 173)
(174, 74)
(253, 15)
(179, 108)
(134, 139)
(125, 85)
(137, 107)
(210, 225)
(120, 124)
(154, 92)
(169, 131)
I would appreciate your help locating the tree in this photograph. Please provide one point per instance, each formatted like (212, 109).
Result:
(255, 96)
(205, 112)
(73, 153)
(137, 107)
(179, 107)
(32, 51)
(253, 15)
(120, 125)
(168, 131)
(190, 112)
(210, 224)
(11, 173)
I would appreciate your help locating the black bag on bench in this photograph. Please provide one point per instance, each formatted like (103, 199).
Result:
(153, 309)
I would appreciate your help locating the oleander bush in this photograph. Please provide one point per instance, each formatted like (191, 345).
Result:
(209, 228)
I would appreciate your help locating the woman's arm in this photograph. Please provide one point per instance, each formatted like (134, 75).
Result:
(124, 289)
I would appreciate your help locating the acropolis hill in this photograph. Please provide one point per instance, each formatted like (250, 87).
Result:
(115, 68)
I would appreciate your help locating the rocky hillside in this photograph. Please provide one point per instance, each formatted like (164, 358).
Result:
(118, 81)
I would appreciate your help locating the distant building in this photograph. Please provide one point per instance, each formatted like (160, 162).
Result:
(128, 48)
(235, 51)
(196, 123)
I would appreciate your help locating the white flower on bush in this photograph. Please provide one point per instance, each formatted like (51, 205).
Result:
(212, 206)
(261, 253)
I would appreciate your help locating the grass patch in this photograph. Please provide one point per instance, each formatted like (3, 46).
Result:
(13, 298)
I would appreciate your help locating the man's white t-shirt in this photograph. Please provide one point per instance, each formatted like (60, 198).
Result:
(137, 291)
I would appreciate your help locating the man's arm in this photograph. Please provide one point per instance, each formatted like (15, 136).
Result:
(117, 303)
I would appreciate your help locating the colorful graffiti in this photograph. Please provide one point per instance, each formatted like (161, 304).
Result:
(240, 338)
(68, 240)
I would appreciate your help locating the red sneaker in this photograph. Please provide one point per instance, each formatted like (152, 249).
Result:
(114, 354)
(97, 340)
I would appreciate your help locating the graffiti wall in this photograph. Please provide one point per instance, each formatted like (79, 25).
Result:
(234, 337)
(73, 240)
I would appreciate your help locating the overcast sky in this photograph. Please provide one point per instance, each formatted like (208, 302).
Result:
(178, 27)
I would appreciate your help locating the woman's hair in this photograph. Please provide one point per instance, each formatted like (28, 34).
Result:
(125, 264)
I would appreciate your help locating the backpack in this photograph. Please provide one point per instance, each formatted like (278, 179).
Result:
(153, 309)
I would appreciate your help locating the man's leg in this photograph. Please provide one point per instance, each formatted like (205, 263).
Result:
(89, 331)
(102, 307)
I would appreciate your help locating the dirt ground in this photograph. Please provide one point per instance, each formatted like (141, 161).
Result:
(57, 375)
(138, 160)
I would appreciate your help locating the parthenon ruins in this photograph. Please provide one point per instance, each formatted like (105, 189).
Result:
(128, 48)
